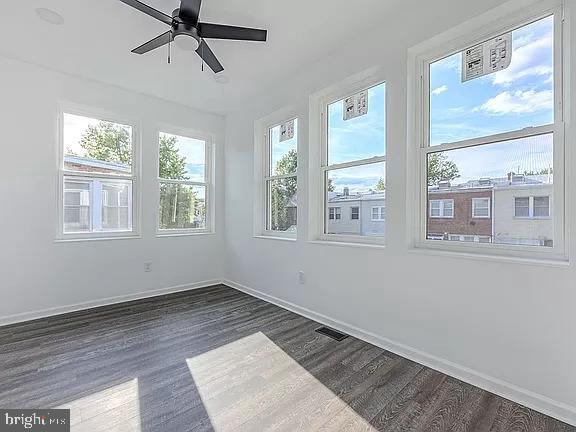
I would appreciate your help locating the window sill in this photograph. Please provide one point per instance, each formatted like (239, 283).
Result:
(348, 244)
(103, 238)
(546, 262)
(183, 233)
(273, 237)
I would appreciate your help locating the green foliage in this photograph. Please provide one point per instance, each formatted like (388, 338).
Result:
(172, 166)
(381, 185)
(440, 168)
(330, 185)
(107, 142)
(282, 191)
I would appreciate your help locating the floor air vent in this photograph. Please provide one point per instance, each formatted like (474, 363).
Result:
(336, 335)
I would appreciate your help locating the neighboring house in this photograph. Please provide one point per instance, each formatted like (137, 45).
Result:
(460, 214)
(516, 209)
(359, 214)
(524, 212)
(92, 204)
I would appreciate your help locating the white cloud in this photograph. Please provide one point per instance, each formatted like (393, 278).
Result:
(530, 59)
(439, 90)
(519, 102)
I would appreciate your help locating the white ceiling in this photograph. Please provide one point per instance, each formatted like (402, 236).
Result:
(97, 36)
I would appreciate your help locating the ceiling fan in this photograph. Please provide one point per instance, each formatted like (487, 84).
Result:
(189, 33)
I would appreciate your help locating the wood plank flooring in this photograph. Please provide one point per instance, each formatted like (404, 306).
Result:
(219, 360)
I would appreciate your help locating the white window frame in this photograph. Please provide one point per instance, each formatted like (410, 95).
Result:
(262, 172)
(381, 210)
(102, 115)
(475, 202)
(477, 31)
(442, 214)
(318, 155)
(208, 180)
(531, 207)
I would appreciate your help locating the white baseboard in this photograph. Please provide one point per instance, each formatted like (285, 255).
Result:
(543, 404)
(28, 316)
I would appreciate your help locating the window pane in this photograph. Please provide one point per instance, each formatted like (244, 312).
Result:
(481, 207)
(522, 207)
(358, 138)
(96, 146)
(182, 206)
(282, 207)
(283, 152)
(116, 206)
(182, 158)
(498, 172)
(76, 206)
(363, 187)
(541, 206)
(511, 99)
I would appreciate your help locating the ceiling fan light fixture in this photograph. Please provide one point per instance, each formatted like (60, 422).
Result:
(186, 42)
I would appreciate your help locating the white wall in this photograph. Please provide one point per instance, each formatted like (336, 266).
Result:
(38, 274)
(506, 326)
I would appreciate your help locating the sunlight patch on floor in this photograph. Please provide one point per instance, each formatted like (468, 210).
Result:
(252, 384)
(116, 408)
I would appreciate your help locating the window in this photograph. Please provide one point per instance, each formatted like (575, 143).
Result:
(480, 207)
(353, 162)
(532, 207)
(334, 213)
(494, 128)
(280, 178)
(184, 183)
(97, 175)
(442, 208)
(378, 213)
(355, 213)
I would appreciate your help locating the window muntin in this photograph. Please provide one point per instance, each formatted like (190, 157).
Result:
(281, 178)
(443, 208)
(97, 177)
(517, 97)
(509, 161)
(183, 178)
(354, 166)
(480, 207)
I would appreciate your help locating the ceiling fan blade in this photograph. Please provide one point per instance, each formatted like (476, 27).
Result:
(219, 31)
(160, 16)
(157, 42)
(208, 56)
(190, 10)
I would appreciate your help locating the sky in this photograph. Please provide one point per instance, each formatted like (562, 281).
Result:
(359, 138)
(190, 148)
(514, 98)
(279, 149)
(517, 97)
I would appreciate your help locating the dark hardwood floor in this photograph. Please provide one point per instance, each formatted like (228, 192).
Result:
(219, 360)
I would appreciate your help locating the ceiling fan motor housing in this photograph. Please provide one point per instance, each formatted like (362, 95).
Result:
(180, 27)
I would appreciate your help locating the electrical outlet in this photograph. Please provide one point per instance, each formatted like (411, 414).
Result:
(148, 267)
(301, 278)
